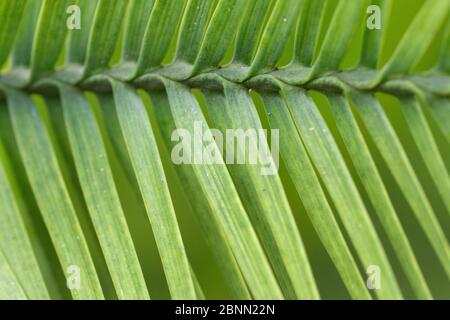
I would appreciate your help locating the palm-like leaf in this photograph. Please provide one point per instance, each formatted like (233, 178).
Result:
(70, 161)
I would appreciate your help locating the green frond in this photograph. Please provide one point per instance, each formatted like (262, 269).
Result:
(354, 123)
